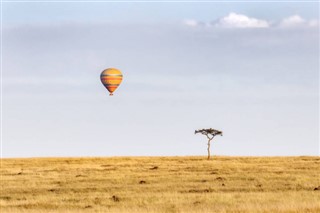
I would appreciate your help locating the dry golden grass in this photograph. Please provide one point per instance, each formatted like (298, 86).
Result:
(161, 184)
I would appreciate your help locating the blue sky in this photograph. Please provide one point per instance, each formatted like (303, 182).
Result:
(35, 12)
(248, 69)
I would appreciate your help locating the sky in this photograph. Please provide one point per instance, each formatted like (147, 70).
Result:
(249, 69)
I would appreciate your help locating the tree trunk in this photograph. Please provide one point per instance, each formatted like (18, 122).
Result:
(209, 149)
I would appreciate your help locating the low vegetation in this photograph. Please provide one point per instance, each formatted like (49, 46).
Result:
(161, 184)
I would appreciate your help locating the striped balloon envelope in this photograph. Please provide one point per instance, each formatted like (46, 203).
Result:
(111, 78)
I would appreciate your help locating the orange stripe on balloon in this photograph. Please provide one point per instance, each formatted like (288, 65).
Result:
(112, 78)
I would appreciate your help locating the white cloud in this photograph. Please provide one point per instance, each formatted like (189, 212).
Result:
(234, 20)
(297, 21)
(193, 23)
(293, 21)
(313, 23)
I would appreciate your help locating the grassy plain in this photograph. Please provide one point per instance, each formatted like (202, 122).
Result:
(161, 184)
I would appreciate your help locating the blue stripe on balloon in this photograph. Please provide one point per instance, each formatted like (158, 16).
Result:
(111, 84)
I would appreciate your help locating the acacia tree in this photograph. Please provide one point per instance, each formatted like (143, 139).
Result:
(210, 133)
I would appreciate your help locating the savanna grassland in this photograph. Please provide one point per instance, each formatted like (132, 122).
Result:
(161, 184)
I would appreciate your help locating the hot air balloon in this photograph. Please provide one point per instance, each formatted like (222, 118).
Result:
(111, 79)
